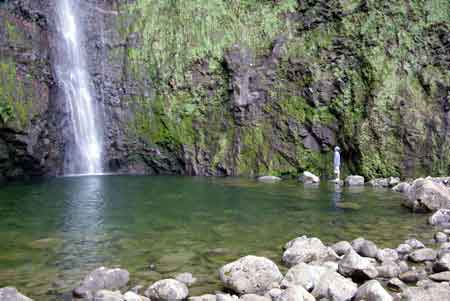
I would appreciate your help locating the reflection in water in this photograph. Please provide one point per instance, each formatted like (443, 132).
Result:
(336, 197)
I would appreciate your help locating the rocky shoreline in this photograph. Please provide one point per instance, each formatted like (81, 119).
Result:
(347, 270)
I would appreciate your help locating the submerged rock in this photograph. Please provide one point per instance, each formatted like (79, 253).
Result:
(102, 279)
(354, 181)
(304, 249)
(309, 178)
(250, 275)
(348, 205)
(11, 294)
(167, 289)
(426, 195)
(269, 179)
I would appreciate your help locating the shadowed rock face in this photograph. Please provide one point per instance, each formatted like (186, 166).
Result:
(339, 75)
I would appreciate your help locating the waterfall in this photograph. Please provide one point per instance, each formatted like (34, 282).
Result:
(83, 156)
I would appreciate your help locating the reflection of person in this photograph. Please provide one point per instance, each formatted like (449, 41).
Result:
(337, 163)
(336, 198)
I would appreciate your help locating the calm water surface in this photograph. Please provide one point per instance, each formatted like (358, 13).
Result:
(52, 233)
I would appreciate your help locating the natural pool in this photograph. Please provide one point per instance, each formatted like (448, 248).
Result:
(53, 232)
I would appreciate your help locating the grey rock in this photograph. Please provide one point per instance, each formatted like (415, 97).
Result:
(440, 237)
(402, 187)
(372, 291)
(396, 285)
(426, 195)
(250, 275)
(303, 274)
(440, 277)
(226, 297)
(404, 249)
(387, 255)
(431, 293)
(388, 269)
(275, 293)
(354, 180)
(132, 296)
(443, 263)
(269, 179)
(106, 295)
(102, 279)
(422, 255)
(403, 265)
(309, 178)
(334, 287)
(304, 249)
(167, 289)
(357, 243)
(342, 247)
(186, 278)
(207, 297)
(11, 294)
(414, 243)
(368, 249)
(440, 218)
(409, 277)
(295, 293)
(254, 297)
(357, 267)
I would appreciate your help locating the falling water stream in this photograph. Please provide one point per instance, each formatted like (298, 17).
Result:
(84, 155)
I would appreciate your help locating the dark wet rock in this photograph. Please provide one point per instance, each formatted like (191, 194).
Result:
(304, 249)
(354, 180)
(387, 255)
(309, 178)
(409, 277)
(440, 218)
(396, 285)
(341, 248)
(250, 275)
(186, 278)
(357, 267)
(269, 179)
(333, 286)
(421, 255)
(368, 249)
(167, 289)
(11, 294)
(426, 195)
(440, 277)
(372, 290)
(431, 293)
(102, 279)
(305, 275)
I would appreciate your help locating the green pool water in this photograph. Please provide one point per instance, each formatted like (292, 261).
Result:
(53, 232)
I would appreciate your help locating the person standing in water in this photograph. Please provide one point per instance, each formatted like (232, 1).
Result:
(337, 163)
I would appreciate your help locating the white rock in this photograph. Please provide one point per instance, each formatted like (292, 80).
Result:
(372, 291)
(167, 289)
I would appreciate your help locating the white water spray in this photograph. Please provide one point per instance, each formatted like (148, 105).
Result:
(71, 72)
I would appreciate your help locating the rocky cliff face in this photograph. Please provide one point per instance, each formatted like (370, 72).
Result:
(237, 87)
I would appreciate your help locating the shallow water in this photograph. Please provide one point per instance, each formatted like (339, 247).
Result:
(52, 233)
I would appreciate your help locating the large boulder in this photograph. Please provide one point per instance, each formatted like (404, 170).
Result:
(425, 195)
(250, 275)
(304, 249)
(402, 187)
(421, 255)
(101, 279)
(335, 287)
(427, 293)
(440, 218)
(309, 178)
(354, 181)
(372, 291)
(11, 294)
(357, 267)
(303, 274)
(167, 289)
